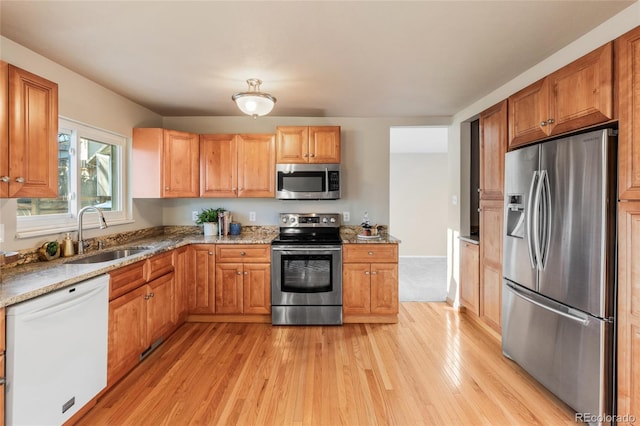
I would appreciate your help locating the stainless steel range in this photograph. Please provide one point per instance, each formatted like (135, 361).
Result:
(306, 270)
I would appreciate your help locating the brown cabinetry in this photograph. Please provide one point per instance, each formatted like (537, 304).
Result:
(141, 312)
(28, 134)
(181, 296)
(491, 218)
(2, 363)
(243, 279)
(493, 146)
(577, 95)
(237, 166)
(370, 283)
(201, 271)
(165, 164)
(470, 276)
(302, 144)
(629, 309)
(628, 72)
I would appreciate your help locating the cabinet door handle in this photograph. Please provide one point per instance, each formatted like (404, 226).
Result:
(312, 155)
(543, 123)
(20, 179)
(550, 121)
(152, 294)
(5, 179)
(374, 273)
(146, 297)
(305, 155)
(246, 273)
(366, 272)
(238, 272)
(210, 253)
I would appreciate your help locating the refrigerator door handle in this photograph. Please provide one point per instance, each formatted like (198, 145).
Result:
(582, 320)
(546, 210)
(530, 234)
(536, 222)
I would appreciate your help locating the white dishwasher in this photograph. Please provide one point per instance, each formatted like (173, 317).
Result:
(56, 353)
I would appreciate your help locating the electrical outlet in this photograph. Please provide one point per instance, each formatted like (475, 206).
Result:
(252, 216)
(194, 215)
(346, 216)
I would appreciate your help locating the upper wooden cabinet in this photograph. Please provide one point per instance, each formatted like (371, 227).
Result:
(302, 144)
(28, 134)
(165, 163)
(493, 146)
(628, 73)
(237, 166)
(577, 95)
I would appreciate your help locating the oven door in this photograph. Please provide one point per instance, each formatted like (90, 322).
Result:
(306, 275)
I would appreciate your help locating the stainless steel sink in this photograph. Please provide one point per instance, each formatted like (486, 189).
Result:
(106, 256)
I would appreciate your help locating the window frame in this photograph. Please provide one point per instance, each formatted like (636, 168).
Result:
(30, 226)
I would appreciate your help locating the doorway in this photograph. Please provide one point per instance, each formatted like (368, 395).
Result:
(418, 186)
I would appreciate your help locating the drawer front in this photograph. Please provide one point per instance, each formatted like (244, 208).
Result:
(357, 253)
(159, 265)
(126, 279)
(244, 253)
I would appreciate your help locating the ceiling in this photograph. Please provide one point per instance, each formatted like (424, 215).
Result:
(318, 58)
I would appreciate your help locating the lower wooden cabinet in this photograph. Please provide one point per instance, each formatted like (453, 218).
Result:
(629, 309)
(2, 362)
(140, 317)
(370, 283)
(491, 218)
(201, 272)
(243, 279)
(470, 277)
(181, 296)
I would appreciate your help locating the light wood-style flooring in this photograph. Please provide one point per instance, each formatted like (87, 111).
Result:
(436, 367)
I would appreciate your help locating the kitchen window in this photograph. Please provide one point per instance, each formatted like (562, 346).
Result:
(91, 172)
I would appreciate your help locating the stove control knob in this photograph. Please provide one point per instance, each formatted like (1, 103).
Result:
(284, 219)
(332, 220)
(324, 220)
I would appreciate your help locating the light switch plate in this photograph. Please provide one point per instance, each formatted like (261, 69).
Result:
(252, 216)
(346, 216)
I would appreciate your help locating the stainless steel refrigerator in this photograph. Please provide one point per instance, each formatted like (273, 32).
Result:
(558, 295)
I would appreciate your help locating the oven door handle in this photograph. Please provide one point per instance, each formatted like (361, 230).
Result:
(282, 248)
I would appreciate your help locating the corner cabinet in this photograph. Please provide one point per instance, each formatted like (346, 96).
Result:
(241, 166)
(302, 144)
(628, 73)
(165, 164)
(370, 283)
(29, 134)
(577, 95)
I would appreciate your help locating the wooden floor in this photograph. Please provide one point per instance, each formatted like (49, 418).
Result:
(436, 366)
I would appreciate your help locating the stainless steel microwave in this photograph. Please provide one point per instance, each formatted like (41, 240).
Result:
(307, 181)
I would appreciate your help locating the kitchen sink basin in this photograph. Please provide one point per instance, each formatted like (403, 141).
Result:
(106, 256)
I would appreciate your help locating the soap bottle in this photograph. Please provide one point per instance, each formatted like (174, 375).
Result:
(67, 246)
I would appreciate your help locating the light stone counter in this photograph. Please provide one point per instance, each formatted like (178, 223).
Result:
(34, 279)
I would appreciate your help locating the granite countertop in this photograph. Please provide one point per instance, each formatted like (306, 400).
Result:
(34, 279)
(27, 281)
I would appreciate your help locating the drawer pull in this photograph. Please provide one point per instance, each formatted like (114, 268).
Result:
(366, 272)
(370, 253)
(243, 253)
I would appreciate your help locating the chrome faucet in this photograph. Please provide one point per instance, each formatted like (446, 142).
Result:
(102, 222)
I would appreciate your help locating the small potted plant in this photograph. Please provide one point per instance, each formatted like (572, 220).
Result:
(208, 218)
(49, 250)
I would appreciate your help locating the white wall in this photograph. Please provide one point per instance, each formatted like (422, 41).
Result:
(418, 203)
(85, 101)
(459, 130)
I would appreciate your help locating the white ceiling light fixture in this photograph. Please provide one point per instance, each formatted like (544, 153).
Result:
(254, 102)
